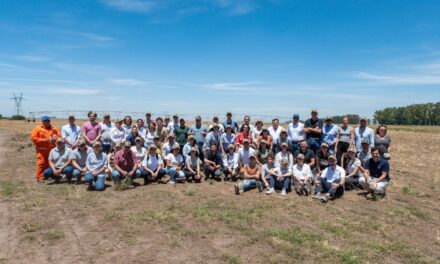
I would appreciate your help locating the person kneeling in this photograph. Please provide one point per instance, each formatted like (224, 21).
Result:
(213, 164)
(252, 177)
(281, 177)
(192, 168)
(152, 166)
(330, 184)
(96, 163)
(174, 165)
(376, 175)
(125, 167)
(302, 176)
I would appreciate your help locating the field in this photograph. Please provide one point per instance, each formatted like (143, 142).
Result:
(207, 223)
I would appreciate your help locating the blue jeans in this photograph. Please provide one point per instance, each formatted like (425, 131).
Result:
(76, 174)
(146, 175)
(326, 187)
(68, 170)
(116, 176)
(279, 184)
(174, 175)
(106, 146)
(295, 147)
(100, 180)
(314, 144)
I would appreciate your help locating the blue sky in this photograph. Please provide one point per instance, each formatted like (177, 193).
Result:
(272, 57)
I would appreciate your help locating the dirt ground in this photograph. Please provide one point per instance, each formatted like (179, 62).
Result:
(207, 223)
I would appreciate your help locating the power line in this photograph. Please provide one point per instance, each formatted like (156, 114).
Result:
(18, 109)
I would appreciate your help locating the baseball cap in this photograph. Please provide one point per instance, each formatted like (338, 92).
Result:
(324, 145)
(153, 146)
(246, 140)
(156, 137)
(364, 141)
(252, 156)
(351, 149)
(148, 113)
(363, 118)
(329, 118)
(314, 110)
(198, 117)
(138, 139)
(171, 135)
(193, 149)
(118, 145)
(191, 137)
(106, 115)
(228, 126)
(228, 113)
(284, 161)
(97, 143)
(296, 116)
(81, 142)
(60, 140)
(176, 146)
(127, 144)
(71, 117)
(215, 117)
(45, 118)
(230, 146)
(118, 120)
(332, 157)
(284, 144)
(175, 115)
(300, 156)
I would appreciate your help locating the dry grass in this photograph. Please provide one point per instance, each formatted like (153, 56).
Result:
(207, 223)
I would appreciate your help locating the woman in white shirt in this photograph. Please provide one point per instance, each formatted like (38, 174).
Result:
(117, 133)
(140, 153)
(302, 176)
(174, 165)
(150, 134)
(230, 162)
(152, 166)
(353, 170)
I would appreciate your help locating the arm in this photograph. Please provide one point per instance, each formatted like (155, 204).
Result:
(188, 166)
(352, 136)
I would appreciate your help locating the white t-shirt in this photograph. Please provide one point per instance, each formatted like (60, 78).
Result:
(332, 175)
(302, 172)
(281, 155)
(295, 132)
(175, 160)
(139, 153)
(231, 161)
(352, 166)
(275, 134)
(243, 155)
(105, 132)
(117, 135)
(282, 171)
(152, 162)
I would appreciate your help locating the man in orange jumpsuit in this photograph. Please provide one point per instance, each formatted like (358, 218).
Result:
(44, 137)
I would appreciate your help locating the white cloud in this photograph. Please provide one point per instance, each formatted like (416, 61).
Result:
(233, 86)
(73, 91)
(126, 82)
(131, 5)
(399, 79)
(95, 37)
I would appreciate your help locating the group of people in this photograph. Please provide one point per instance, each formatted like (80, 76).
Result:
(315, 154)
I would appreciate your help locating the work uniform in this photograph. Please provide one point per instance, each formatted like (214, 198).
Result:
(40, 136)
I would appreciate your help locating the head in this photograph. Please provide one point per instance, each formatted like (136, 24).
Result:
(152, 126)
(300, 159)
(275, 122)
(375, 154)
(82, 145)
(229, 116)
(314, 113)
(215, 119)
(118, 123)
(60, 144)
(247, 120)
(345, 121)
(140, 122)
(148, 116)
(175, 118)
(127, 120)
(138, 142)
(97, 147)
(182, 122)
(231, 148)
(171, 137)
(259, 124)
(246, 144)
(134, 129)
(92, 116)
(381, 130)
(176, 149)
(303, 145)
(365, 146)
(193, 152)
(351, 152)
(156, 140)
(284, 163)
(71, 120)
(167, 120)
(324, 148)
(245, 128)
(270, 158)
(118, 147)
(332, 161)
(152, 149)
(159, 122)
(106, 118)
(191, 139)
(264, 133)
(329, 120)
(295, 118)
(198, 120)
(252, 160)
(45, 120)
(284, 147)
(228, 129)
(127, 147)
(363, 122)
(213, 149)
(283, 134)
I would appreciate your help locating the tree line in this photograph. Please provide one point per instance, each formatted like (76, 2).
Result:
(416, 114)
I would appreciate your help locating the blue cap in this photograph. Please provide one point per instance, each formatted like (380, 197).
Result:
(45, 118)
(296, 116)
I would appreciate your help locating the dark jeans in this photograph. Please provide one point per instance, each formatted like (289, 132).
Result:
(295, 146)
(147, 175)
(212, 173)
(352, 183)
(314, 144)
(326, 187)
(279, 184)
(201, 153)
(68, 170)
(275, 149)
(342, 149)
(106, 146)
(232, 175)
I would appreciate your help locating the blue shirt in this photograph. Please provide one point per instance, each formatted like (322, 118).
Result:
(71, 132)
(363, 133)
(376, 168)
(198, 133)
(225, 140)
(329, 134)
(232, 123)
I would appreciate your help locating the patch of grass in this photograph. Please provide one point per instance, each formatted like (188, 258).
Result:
(295, 235)
(231, 259)
(409, 190)
(160, 216)
(53, 235)
(30, 237)
(11, 189)
(112, 216)
(190, 192)
(31, 227)
(410, 211)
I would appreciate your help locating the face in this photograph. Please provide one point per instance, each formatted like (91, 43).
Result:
(106, 118)
(198, 121)
(351, 154)
(259, 125)
(60, 145)
(213, 149)
(269, 160)
(331, 162)
(152, 150)
(134, 130)
(182, 122)
(159, 122)
(152, 127)
(247, 119)
(284, 148)
(171, 139)
(72, 121)
(175, 119)
(245, 129)
(92, 117)
(215, 120)
(363, 123)
(314, 115)
(303, 145)
(324, 149)
(229, 130)
(118, 124)
(382, 130)
(376, 155)
(252, 161)
(328, 122)
(295, 120)
(46, 123)
(229, 117)
(345, 121)
(275, 123)
(127, 149)
(97, 148)
(300, 161)
(127, 120)
(138, 142)
(176, 151)
(365, 147)
(231, 150)
(246, 145)
(148, 116)
(83, 147)
(140, 123)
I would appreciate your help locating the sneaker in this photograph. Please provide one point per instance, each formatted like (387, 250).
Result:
(236, 189)
(325, 198)
(317, 196)
(259, 186)
(283, 192)
(172, 182)
(270, 191)
(40, 181)
(305, 192)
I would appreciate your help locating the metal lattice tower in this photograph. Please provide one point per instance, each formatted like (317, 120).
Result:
(18, 110)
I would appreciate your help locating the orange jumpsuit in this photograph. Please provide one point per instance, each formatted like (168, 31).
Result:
(40, 136)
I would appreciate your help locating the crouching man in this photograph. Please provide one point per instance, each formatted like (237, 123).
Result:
(330, 184)
(376, 175)
(96, 164)
(59, 162)
(252, 177)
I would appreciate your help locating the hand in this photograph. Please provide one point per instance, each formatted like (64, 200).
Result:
(125, 173)
(154, 174)
(95, 173)
(84, 169)
(56, 172)
(130, 174)
(335, 185)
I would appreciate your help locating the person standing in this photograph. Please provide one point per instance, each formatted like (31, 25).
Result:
(382, 141)
(106, 126)
(91, 130)
(363, 132)
(330, 133)
(230, 122)
(313, 130)
(344, 141)
(275, 131)
(117, 133)
(295, 133)
(181, 133)
(44, 137)
(200, 131)
(161, 130)
(71, 133)
(172, 125)
(148, 120)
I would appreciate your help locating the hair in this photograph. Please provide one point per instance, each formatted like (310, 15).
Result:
(91, 113)
(378, 128)
(140, 119)
(244, 125)
(152, 123)
(275, 119)
(128, 117)
(373, 149)
(159, 118)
